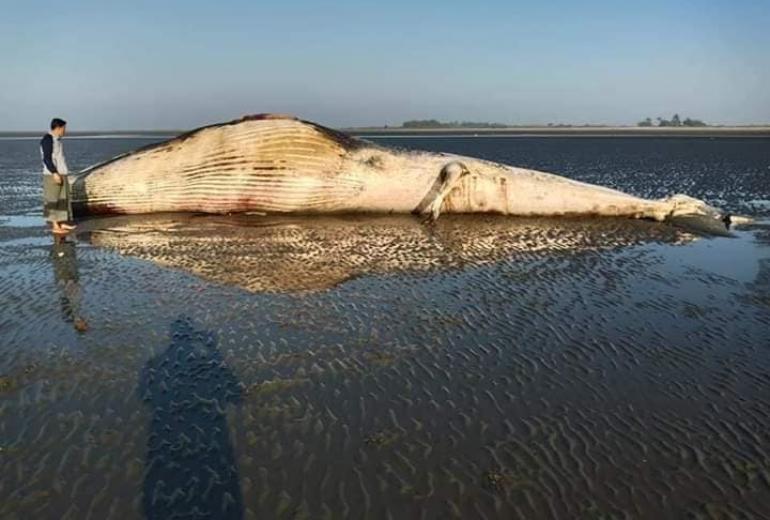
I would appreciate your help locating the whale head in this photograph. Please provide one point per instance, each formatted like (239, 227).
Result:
(696, 215)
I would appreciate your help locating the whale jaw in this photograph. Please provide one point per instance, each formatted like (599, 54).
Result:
(697, 216)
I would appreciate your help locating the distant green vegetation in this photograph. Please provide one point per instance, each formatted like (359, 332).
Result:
(434, 123)
(674, 122)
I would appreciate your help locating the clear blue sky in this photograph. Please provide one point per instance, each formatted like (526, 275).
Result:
(179, 64)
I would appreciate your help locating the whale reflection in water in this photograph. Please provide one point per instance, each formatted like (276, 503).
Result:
(287, 254)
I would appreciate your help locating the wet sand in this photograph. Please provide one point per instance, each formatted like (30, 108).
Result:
(266, 367)
(622, 371)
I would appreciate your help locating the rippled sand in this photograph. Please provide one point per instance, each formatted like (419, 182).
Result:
(258, 367)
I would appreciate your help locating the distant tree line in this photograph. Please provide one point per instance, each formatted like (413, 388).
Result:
(434, 123)
(675, 121)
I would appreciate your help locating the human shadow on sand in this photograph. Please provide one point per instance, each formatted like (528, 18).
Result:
(191, 470)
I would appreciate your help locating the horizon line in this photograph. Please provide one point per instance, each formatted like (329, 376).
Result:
(447, 128)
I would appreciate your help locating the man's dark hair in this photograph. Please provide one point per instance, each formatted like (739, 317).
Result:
(56, 123)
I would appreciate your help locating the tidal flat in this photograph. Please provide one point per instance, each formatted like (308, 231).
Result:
(255, 366)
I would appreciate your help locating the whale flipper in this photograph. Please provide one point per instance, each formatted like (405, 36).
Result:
(447, 180)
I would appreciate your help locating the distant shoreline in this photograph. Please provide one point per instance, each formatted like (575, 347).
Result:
(536, 131)
(577, 131)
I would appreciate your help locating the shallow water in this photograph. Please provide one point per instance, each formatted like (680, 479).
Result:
(253, 367)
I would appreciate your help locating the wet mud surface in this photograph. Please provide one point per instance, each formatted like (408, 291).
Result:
(182, 366)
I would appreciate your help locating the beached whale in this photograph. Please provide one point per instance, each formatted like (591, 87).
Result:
(279, 164)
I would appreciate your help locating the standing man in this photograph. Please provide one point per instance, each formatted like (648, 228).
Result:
(56, 188)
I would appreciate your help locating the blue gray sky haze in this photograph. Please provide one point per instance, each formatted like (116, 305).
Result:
(172, 65)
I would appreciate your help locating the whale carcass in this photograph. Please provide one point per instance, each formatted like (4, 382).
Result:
(279, 164)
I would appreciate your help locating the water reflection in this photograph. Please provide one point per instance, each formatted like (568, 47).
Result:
(761, 285)
(191, 471)
(64, 260)
(281, 254)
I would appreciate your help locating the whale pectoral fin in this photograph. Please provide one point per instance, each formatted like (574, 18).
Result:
(447, 180)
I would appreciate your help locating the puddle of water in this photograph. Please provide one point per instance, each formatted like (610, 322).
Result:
(737, 258)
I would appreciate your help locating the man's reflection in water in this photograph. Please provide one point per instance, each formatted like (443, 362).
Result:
(191, 470)
(65, 273)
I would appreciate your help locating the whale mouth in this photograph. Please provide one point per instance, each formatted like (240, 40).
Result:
(697, 216)
(714, 225)
(702, 224)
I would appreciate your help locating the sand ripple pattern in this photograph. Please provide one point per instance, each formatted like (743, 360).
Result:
(500, 381)
(335, 368)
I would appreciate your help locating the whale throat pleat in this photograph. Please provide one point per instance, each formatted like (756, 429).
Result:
(269, 165)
